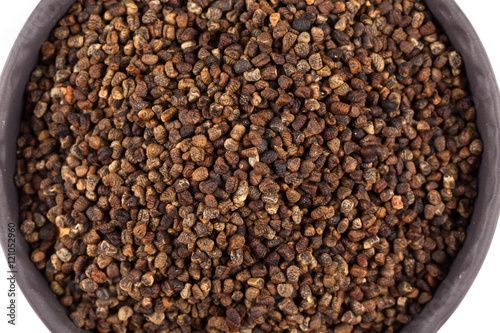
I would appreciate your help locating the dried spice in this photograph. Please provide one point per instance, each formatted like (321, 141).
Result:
(230, 165)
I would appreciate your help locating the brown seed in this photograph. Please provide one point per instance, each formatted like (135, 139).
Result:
(205, 244)
(350, 164)
(150, 59)
(354, 66)
(256, 282)
(288, 41)
(261, 60)
(285, 290)
(293, 196)
(125, 312)
(340, 108)
(94, 22)
(427, 29)
(236, 242)
(397, 202)
(233, 319)
(476, 147)
(315, 61)
(99, 276)
(88, 285)
(274, 18)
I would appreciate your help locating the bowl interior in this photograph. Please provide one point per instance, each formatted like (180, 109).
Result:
(452, 290)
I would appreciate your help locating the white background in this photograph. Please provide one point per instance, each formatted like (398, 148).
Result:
(478, 311)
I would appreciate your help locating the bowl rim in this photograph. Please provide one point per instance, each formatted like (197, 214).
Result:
(486, 95)
(451, 290)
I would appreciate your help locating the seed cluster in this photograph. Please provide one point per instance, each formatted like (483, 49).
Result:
(243, 165)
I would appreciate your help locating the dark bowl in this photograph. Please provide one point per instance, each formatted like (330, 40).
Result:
(451, 291)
